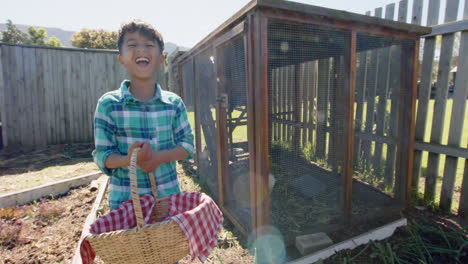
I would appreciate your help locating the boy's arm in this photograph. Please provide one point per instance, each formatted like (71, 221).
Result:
(106, 154)
(183, 135)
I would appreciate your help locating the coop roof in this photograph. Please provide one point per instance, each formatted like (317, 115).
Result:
(293, 8)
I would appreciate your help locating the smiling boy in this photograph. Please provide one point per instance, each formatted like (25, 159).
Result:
(141, 114)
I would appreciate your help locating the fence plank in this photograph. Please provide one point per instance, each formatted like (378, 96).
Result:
(42, 132)
(55, 94)
(296, 103)
(371, 84)
(67, 92)
(274, 91)
(424, 92)
(456, 123)
(12, 126)
(440, 102)
(312, 94)
(463, 208)
(360, 95)
(417, 12)
(370, 99)
(21, 93)
(32, 119)
(332, 155)
(3, 102)
(305, 88)
(322, 106)
(403, 11)
(64, 83)
(381, 92)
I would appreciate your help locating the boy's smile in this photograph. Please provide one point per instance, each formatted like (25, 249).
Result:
(141, 56)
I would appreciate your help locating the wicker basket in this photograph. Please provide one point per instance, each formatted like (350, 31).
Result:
(162, 242)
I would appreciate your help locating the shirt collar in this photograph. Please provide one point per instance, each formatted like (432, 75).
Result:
(126, 95)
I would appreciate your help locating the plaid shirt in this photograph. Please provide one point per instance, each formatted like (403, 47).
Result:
(120, 120)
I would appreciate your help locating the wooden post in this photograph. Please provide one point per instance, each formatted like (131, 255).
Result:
(349, 77)
(260, 75)
(221, 122)
(440, 102)
(249, 39)
(424, 92)
(406, 126)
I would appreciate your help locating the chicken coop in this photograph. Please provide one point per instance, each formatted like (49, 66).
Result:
(304, 118)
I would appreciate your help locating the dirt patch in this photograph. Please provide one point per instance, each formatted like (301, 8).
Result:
(45, 231)
(22, 169)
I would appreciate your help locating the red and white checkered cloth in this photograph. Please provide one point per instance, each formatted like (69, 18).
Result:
(197, 215)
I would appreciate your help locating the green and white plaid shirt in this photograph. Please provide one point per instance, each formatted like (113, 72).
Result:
(120, 120)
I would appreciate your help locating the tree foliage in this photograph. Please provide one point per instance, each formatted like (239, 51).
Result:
(35, 36)
(13, 34)
(95, 39)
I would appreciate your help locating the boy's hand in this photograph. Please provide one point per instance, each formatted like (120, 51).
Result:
(148, 159)
(135, 145)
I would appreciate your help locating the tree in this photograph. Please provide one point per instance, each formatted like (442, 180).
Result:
(95, 39)
(37, 36)
(13, 34)
(54, 42)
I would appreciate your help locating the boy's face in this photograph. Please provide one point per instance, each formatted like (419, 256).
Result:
(140, 55)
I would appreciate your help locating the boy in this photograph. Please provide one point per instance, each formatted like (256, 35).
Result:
(141, 114)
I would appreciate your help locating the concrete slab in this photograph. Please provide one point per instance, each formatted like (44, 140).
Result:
(56, 188)
(307, 244)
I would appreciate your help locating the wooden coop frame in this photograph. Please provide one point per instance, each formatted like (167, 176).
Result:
(251, 22)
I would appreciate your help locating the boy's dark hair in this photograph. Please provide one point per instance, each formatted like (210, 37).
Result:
(144, 28)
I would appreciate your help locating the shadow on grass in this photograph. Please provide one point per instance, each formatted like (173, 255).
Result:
(21, 160)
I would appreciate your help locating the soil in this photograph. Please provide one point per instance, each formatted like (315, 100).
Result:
(46, 231)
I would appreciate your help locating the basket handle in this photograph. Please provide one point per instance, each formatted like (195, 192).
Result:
(134, 188)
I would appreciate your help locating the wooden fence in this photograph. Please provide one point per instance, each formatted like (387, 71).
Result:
(48, 95)
(437, 108)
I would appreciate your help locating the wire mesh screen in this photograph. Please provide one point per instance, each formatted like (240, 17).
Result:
(205, 80)
(232, 84)
(376, 122)
(188, 82)
(306, 119)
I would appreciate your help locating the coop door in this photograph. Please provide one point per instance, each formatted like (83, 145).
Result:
(232, 110)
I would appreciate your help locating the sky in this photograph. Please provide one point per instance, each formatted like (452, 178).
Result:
(182, 22)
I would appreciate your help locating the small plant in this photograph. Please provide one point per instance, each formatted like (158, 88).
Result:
(48, 211)
(10, 233)
(308, 151)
